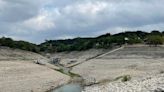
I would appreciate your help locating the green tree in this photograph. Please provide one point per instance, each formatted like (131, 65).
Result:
(156, 32)
(155, 40)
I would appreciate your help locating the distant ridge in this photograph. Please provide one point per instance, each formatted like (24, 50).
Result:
(104, 41)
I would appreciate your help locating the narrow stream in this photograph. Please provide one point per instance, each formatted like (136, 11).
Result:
(71, 87)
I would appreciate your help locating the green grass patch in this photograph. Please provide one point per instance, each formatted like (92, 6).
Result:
(73, 74)
(124, 78)
(69, 73)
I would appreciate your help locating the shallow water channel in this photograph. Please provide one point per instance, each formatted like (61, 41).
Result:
(69, 88)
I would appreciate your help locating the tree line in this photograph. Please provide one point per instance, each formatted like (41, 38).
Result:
(23, 45)
(105, 41)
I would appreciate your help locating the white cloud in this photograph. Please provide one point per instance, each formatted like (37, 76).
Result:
(53, 19)
(41, 22)
(87, 8)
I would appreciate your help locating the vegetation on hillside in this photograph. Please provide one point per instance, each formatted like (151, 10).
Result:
(77, 44)
(18, 44)
(104, 41)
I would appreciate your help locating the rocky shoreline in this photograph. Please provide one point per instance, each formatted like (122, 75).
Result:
(148, 84)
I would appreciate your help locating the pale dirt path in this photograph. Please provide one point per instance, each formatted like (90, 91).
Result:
(77, 56)
(109, 52)
(94, 57)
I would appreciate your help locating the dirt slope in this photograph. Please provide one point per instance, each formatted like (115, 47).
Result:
(16, 54)
(77, 56)
(19, 73)
(133, 61)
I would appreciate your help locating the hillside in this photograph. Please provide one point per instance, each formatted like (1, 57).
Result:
(106, 41)
(19, 73)
(23, 45)
(143, 64)
(76, 57)
(7, 53)
(22, 76)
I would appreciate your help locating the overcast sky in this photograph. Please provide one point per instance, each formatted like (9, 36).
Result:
(37, 20)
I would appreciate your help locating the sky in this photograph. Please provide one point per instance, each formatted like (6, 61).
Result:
(39, 20)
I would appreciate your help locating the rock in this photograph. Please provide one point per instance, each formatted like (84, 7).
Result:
(55, 60)
(158, 90)
(72, 61)
(40, 62)
(147, 85)
(89, 81)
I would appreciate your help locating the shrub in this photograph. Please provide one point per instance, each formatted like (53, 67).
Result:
(126, 78)
(155, 40)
